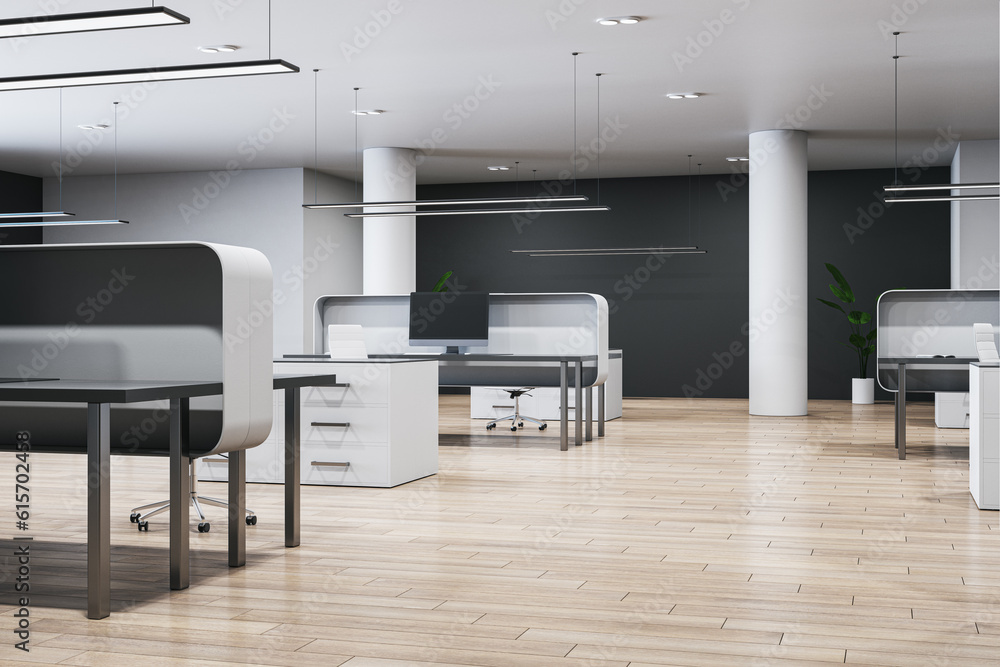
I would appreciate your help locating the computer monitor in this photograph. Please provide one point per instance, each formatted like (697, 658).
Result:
(452, 319)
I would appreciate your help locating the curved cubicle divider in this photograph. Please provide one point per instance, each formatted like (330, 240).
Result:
(184, 311)
(568, 323)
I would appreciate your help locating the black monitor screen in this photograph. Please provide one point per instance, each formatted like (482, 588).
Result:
(449, 318)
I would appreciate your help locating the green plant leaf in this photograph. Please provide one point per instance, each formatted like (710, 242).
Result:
(841, 281)
(869, 350)
(872, 335)
(846, 297)
(831, 304)
(859, 317)
(440, 286)
(858, 341)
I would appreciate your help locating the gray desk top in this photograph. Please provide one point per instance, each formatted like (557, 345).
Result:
(284, 381)
(447, 358)
(325, 358)
(113, 391)
(927, 360)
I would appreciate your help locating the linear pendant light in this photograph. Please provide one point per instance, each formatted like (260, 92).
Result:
(896, 187)
(599, 252)
(476, 211)
(452, 202)
(143, 17)
(173, 73)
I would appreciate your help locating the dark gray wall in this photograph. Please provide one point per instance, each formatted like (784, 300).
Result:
(682, 322)
(20, 193)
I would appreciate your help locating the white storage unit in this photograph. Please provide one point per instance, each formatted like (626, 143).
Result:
(543, 403)
(984, 435)
(379, 430)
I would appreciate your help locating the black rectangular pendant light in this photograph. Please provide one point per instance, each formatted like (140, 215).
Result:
(173, 73)
(141, 17)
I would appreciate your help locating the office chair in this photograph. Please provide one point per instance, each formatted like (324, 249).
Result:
(986, 346)
(517, 419)
(137, 515)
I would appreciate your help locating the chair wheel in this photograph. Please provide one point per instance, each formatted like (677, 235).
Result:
(543, 427)
(490, 427)
(143, 526)
(520, 423)
(134, 517)
(204, 527)
(513, 428)
(251, 519)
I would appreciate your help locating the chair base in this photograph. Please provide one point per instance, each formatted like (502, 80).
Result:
(517, 419)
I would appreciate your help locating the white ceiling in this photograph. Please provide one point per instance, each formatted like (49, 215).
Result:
(432, 54)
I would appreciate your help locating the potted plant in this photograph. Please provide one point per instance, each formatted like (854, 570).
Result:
(862, 339)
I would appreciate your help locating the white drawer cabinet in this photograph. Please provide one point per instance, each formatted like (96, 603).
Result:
(984, 435)
(381, 430)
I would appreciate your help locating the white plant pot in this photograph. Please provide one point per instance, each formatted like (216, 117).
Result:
(863, 391)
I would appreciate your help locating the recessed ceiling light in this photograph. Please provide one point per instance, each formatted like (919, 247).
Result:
(737, 159)
(219, 48)
(95, 126)
(498, 168)
(623, 20)
(683, 96)
(368, 112)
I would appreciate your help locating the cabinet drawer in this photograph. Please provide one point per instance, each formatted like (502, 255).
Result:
(347, 465)
(354, 424)
(363, 389)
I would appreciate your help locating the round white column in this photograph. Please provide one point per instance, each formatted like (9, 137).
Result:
(390, 244)
(778, 247)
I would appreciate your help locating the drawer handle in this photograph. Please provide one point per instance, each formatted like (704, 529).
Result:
(331, 464)
(337, 424)
(219, 460)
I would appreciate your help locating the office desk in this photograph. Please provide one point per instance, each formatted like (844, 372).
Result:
(291, 384)
(937, 377)
(467, 370)
(98, 396)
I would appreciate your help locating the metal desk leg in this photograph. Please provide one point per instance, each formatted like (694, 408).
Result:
(578, 382)
(600, 411)
(901, 412)
(237, 508)
(98, 510)
(292, 470)
(590, 411)
(180, 493)
(563, 407)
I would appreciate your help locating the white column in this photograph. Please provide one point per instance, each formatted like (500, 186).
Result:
(778, 246)
(390, 244)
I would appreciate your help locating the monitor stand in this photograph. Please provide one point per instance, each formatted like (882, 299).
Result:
(451, 349)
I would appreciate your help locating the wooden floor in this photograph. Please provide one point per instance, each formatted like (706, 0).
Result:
(692, 534)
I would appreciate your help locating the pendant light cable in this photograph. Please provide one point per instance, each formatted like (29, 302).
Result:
(355, 145)
(315, 136)
(575, 54)
(895, 102)
(698, 183)
(517, 179)
(268, 29)
(116, 160)
(60, 149)
(598, 137)
(689, 199)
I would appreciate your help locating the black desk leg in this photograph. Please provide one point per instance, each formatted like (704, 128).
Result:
(98, 510)
(600, 411)
(901, 412)
(563, 407)
(590, 411)
(292, 470)
(180, 493)
(237, 508)
(578, 379)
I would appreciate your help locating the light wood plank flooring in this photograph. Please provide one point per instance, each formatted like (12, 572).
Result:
(692, 534)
